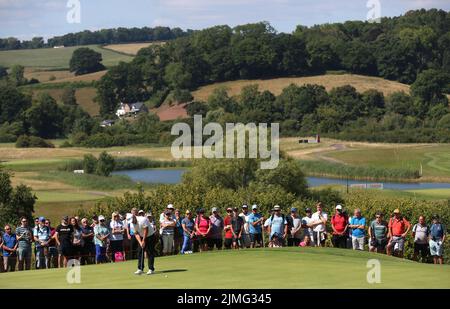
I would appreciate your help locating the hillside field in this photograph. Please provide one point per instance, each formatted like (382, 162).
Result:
(55, 58)
(297, 268)
(130, 48)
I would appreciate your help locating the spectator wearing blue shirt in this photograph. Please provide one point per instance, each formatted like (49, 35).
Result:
(436, 240)
(188, 226)
(9, 249)
(358, 225)
(255, 221)
(277, 227)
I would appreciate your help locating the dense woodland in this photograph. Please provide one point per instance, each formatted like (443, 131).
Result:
(414, 49)
(104, 36)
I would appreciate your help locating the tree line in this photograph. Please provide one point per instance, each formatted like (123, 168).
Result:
(398, 48)
(104, 36)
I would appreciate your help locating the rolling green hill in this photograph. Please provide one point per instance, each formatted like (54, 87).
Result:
(256, 268)
(55, 58)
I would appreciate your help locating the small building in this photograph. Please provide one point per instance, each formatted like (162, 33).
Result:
(130, 109)
(107, 123)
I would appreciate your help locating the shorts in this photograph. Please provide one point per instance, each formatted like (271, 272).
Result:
(400, 241)
(215, 242)
(66, 249)
(116, 246)
(202, 240)
(24, 253)
(436, 248)
(228, 242)
(358, 243)
(379, 244)
(421, 249)
(254, 238)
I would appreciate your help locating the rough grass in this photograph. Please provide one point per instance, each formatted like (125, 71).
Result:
(55, 57)
(131, 48)
(324, 268)
(56, 210)
(329, 81)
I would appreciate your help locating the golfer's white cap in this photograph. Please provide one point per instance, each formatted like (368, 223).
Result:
(255, 206)
(100, 218)
(339, 207)
(170, 206)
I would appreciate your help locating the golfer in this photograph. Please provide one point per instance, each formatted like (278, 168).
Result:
(146, 238)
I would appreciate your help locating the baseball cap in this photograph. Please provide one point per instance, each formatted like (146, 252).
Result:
(397, 211)
(308, 209)
(149, 214)
(141, 211)
(244, 206)
(229, 209)
(339, 207)
(188, 211)
(276, 207)
(214, 209)
(41, 219)
(255, 206)
(293, 209)
(100, 218)
(170, 206)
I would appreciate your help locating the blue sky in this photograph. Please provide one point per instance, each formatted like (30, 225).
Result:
(27, 18)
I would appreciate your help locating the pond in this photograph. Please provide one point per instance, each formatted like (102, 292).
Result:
(173, 176)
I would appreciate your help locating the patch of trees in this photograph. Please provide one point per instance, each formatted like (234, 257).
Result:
(42, 117)
(104, 36)
(25, 141)
(102, 166)
(15, 202)
(398, 48)
(85, 60)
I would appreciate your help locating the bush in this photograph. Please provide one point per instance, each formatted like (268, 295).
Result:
(25, 141)
(7, 138)
(65, 144)
(89, 164)
(182, 95)
(105, 164)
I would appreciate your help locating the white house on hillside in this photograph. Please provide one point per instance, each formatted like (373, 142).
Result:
(129, 109)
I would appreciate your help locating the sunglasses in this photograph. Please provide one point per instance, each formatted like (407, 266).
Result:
(8, 229)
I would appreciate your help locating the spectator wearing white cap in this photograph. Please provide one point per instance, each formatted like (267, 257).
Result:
(215, 238)
(278, 227)
(167, 232)
(101, 236)
(339, 224)
(319, 220)
(162, 217)
(246, 241)
(146, 238)
(255, 222)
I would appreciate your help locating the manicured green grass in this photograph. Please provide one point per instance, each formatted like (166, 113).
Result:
(55, 58)
(258, 268)
(55, 196)
(435, 159)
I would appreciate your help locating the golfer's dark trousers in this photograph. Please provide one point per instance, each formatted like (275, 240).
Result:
(134, 245)
(339, 241)
(149, 248)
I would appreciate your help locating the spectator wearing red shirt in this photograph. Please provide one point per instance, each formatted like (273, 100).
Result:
(228, 229)
(202, 228)
(398, 229)
(339, 224)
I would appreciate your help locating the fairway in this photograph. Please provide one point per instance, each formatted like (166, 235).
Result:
(256, 268)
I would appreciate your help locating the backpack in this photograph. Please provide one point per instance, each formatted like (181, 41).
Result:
(118, 257)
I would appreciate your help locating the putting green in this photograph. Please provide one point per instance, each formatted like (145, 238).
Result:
(257, 268)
